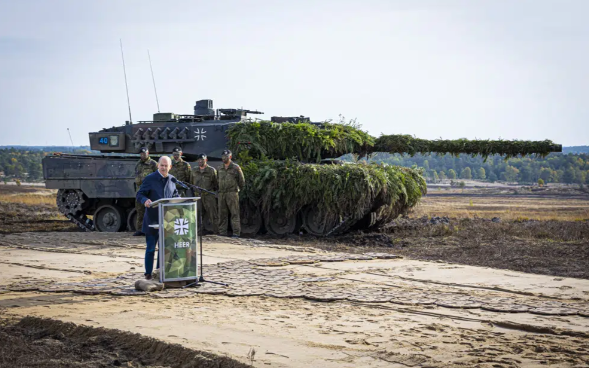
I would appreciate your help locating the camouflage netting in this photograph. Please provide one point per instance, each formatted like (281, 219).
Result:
(408, 144)
(350, 190)
(310, 143)
(304, 141)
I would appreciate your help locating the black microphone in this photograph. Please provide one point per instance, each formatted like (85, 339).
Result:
(176, 181)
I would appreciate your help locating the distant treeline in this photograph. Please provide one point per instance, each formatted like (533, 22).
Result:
(555, 168)
(68, 149)
(25, 163)
(575, 149)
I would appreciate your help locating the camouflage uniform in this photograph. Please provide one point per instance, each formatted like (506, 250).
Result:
(231, 181)
(181, 171)
(207, 179)
(142, 169)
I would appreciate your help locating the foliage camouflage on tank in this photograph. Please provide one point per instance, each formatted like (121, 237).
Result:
(305, 141)
(340, 197)
(334, 195)
(485, 148)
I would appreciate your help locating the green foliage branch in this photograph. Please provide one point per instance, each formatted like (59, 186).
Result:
(307, 142)
(344, 190)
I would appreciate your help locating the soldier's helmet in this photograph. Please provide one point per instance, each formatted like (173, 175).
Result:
(201, 156)
(177, 149)
(226, 152)
(144, 149)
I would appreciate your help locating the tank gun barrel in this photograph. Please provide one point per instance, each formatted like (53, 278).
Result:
(485, 148)
(235, 111)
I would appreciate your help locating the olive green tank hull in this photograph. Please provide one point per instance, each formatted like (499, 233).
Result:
(289, 186)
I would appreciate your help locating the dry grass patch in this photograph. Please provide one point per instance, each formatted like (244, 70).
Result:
(559, 248)
(31, 210)
(29, 199)
(28, 195)
(506, 208)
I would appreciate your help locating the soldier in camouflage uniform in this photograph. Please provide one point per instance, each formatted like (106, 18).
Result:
(231, 181)
(205, 177)
(180, 169)
(144, 167)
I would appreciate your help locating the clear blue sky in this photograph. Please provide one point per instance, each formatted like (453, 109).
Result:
(438, 68)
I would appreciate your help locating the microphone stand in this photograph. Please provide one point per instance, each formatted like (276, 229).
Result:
(201, 278)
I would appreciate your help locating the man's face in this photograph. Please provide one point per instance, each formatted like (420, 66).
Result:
(144, 156)
(177, 155)
(202, 162)
(164, 167)
(226, 158)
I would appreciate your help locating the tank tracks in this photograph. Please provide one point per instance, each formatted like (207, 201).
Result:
(344, 225)
(71, 203)
(82, 221)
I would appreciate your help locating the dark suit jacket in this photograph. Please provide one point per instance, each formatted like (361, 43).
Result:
(153, 187)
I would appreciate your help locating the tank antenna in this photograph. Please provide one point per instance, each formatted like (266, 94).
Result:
(153, 79)
(70, 134)
(126, 86)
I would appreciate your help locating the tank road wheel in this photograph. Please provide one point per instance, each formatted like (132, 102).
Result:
(316, 223)
(251, 220)
(279, 224)
(109, 218)
(70, 201)
(131, 220)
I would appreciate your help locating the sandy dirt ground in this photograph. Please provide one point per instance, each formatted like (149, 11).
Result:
(49, 343)
(297, 306)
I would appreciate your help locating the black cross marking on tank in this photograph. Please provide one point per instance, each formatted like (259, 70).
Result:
(199, 134)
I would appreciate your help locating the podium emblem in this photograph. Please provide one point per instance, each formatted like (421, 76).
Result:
(181, 226)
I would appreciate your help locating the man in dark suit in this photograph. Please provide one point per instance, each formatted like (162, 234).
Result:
(155, 186)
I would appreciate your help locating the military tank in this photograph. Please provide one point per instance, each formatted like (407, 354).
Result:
(294, 180)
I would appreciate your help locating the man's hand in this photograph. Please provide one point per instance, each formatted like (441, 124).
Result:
(148, 203)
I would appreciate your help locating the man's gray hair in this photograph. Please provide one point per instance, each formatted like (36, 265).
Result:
(165, 158)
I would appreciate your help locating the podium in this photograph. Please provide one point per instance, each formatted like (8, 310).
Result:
(177, 245)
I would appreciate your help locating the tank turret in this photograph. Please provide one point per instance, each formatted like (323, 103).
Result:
(204, 131)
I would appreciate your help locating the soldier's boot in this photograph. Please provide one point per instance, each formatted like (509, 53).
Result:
(215, 220)
(233, 205)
